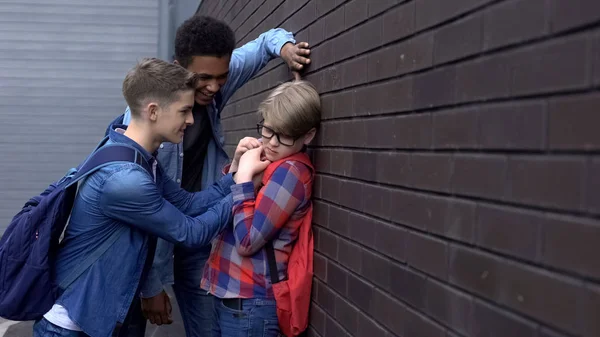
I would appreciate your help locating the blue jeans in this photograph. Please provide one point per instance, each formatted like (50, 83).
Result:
(43, 328)
(257, 318)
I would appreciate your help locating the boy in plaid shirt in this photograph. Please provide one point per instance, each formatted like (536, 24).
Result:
(237, 271)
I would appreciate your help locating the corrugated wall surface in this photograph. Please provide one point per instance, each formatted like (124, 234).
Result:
(62, 63)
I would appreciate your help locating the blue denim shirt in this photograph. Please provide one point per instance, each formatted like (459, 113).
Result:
(246, 62)
(125, 194)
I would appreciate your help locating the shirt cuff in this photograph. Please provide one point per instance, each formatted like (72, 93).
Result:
(226, 168)
(242, 192)
(279, 40)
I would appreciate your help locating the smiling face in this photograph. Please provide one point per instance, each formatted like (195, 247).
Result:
(212, 74)
(171, 120)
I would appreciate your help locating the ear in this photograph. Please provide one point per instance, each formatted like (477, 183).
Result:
(309, 136)
(176, 62)
(152, 110)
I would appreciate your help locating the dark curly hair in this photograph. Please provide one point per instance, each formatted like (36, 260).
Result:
(203, 36)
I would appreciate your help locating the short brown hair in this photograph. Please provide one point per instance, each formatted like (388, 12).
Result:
(156, 79)
(293, 108)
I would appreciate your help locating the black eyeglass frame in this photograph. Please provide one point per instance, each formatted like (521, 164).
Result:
(260, 126)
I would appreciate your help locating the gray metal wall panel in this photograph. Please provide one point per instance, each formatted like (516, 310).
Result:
(62, 63)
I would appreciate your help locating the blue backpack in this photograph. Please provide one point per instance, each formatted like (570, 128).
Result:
(29, 246)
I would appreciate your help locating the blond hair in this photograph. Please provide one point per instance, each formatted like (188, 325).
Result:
(293, 108)
(155, 79)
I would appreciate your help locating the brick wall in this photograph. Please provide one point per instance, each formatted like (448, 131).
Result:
(458, 169)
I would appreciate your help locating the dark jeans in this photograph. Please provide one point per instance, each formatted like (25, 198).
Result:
(257, 318)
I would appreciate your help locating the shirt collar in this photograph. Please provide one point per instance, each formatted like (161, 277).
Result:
(116, 135)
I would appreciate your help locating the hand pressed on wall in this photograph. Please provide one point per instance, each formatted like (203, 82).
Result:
(297, 57)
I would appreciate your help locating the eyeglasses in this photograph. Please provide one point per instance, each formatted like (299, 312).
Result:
(268, 133)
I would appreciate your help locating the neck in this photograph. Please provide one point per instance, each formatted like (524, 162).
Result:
(139, 134)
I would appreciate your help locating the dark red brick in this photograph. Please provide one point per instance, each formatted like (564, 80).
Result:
(547, 181)
(418, 210)
(354, 72)
(572, 244)
(361, 229)
(334, 22)
(534, 69)
(355, 12)
(433, 12)
(376, 269)
(430, 171)
(427, 254)
(399, 22)
(336, 278)
(345, 45)
(320, 266)
(391, 241)
(377, 201)
(392, 168)
(456, 128)
(480, 175)
(350, 255)
(573, 14)
(332, 78)
(316, 31)
(368, 35)
(364, 165)
(474, 271)
(324, 6)
(484, 79)
(360, 292)
(341, 162)
(572, 121)
(368, 327)
(388, 312)
(317, 318)
(513, 126)
(409, 285)
(333, 328)
(376, 7)
(459, 221)
(509, 230)
(449, 306)
(330, 188)
(416, 324)
(382, 64)
(458, 39)
(592, 199)
(338, 220)
(349, 195)
(527, 17)
(346, 315)
(591, 310)
(541, 295)
(326, 298)
(320, 213)
(434, 88)
(596, 59)
(405, 132)
(491, 321)
(328, 244)
(414, 54)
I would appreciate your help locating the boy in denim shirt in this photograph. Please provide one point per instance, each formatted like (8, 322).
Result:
(123, 194)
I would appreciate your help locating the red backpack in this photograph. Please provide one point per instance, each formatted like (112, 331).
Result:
(293, 293)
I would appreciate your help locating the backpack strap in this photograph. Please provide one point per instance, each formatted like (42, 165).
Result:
(272, 262)
(100, 158)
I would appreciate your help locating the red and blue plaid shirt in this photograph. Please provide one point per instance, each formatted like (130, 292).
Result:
(237, 266)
